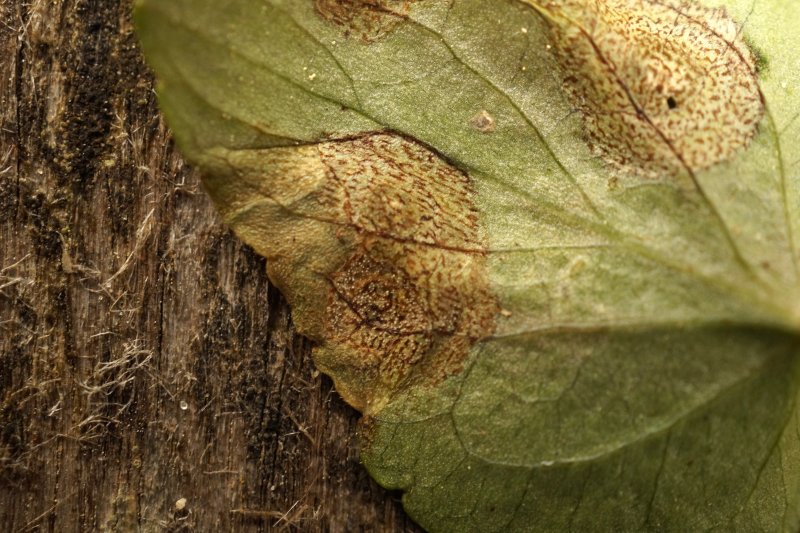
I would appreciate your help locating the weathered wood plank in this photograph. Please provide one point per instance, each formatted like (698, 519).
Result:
(144, 357)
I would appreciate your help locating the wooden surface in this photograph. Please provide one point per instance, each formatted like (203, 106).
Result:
(150, 377)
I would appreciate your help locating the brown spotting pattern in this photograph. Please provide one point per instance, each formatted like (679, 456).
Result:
(665, 86)
(368, 20)
(376, 242)
(415, 294)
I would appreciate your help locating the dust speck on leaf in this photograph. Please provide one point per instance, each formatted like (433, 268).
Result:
(483, 122)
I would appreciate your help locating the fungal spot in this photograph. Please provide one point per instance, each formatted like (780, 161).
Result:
(483, 122)
(367, 20)
(414, 295)
(391, 279)
(623, 60)
(671, 103)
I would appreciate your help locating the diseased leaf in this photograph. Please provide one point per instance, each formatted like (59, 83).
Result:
(548, 248)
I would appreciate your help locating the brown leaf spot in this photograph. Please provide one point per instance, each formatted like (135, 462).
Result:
(414, 295)
(375, 241)
(664, 86)
(368, 20)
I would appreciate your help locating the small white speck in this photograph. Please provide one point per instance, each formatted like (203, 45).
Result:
(312, 76)
(180, 505)
(184, 405)
(524, 30)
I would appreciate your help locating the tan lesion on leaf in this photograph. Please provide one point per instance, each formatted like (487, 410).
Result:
(368, 20)
(376, 242)
(664, 86)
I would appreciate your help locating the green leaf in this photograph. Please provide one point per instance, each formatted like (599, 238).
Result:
(550, 249)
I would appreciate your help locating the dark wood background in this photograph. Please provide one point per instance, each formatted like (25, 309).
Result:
(150, 376)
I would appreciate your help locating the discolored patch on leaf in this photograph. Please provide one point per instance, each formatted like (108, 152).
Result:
(665, 86)
(483, 122)
(368, 20)
(376, 242)
(414, 296)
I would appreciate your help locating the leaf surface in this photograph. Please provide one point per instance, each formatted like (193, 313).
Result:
(555, 311)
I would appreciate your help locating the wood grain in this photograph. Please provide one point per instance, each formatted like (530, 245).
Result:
(144, 357)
